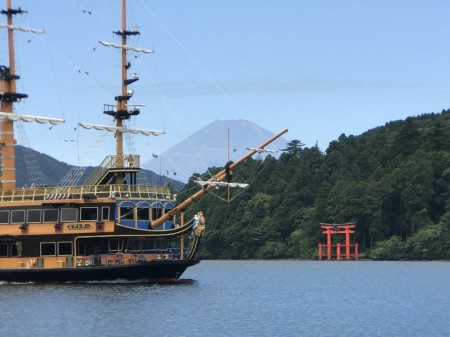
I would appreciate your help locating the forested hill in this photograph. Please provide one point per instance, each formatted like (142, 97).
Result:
(53, 171)
(392, 181)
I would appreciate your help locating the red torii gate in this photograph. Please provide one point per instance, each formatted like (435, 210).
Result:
(346, 229)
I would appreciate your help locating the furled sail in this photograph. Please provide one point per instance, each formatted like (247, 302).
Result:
(127, 47)
(121, 129)
(220, 184)
(23, 29)
(257, 149)
(11, 117)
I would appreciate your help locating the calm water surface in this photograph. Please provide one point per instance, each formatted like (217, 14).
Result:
(243, 298)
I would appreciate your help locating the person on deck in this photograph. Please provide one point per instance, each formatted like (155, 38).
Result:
(195, 222)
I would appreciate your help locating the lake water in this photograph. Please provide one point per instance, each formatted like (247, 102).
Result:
(243, 298)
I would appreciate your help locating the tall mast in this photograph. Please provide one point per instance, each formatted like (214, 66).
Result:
(8, 96)
(122, 103)
(123, 111)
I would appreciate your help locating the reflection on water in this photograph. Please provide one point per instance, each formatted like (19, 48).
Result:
(243, 298)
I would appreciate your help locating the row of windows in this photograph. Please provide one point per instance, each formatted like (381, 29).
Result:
(56, 248)
(127, 213)
(51, 215)
(47, 249)
(54, 215)
(65, 248)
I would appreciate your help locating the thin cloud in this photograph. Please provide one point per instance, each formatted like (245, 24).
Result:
(266, 85)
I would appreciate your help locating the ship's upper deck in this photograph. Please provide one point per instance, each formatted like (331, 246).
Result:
(85, 192)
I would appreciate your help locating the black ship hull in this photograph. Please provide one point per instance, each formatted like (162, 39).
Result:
(153, 271)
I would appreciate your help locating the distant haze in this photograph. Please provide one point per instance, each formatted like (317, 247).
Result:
(208, 147)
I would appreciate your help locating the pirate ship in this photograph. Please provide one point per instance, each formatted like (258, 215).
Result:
(108, 228)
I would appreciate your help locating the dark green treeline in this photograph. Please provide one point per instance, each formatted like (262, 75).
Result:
(392, 181)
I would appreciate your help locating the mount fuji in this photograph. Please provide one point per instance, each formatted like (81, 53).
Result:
(209, 147)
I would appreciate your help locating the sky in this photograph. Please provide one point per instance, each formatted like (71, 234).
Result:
(319, 68)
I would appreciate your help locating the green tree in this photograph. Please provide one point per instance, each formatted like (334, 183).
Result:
(294, 147)
(391, 249)
(425, 244)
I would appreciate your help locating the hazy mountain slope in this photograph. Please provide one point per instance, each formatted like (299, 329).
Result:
(54, 171)
(208, 147)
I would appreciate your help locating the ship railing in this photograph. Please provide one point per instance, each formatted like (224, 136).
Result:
(130, 257)
(113, 162)
(84, 192)
(163, 253)
(108, 163)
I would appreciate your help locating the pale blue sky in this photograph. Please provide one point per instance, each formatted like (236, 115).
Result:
(320, 68)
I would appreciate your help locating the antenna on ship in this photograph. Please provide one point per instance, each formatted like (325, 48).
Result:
(9, 96)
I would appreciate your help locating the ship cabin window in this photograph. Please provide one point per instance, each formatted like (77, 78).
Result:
(168, 207)
(34, 215)
(48, 249)
(89, 214)
(105, 213)
(3, 250)
(68, 214)
(50, 215)
(115, 245)
(135, 244)
(161, 243)
(18, 216)
(143, 213)
(157, 211)
(15, 249)
(65, 248)
(127, 213)
(81, 248)
(8, 249)
(4, 216)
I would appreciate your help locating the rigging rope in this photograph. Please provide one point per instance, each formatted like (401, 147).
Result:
(35, 174)
(202, 69)
(253, 176)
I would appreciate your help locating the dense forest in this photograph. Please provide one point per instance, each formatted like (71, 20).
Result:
(392, 181)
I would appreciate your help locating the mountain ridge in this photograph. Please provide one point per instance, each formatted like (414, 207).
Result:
(210, 146)
(54, 170)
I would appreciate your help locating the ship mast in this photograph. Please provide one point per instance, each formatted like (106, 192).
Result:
(9, 96)
(122, 100)
(122, 110)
